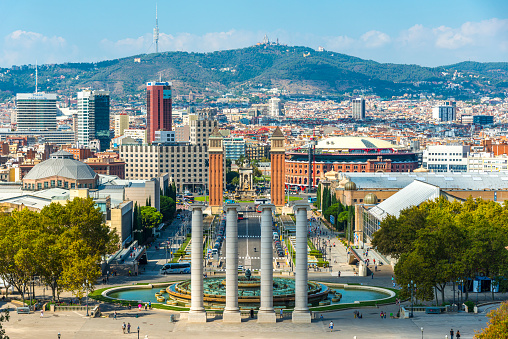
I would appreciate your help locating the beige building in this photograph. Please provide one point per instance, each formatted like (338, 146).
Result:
(121, 124)
(186, 164)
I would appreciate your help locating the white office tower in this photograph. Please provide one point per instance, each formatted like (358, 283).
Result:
(274, 107)
(93, 118)
(446, 112)
(36, 111)
(358, 108)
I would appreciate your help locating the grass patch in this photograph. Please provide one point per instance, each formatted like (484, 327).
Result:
(291, 198)
(201, 198)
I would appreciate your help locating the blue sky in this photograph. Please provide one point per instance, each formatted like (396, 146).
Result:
(428, 33)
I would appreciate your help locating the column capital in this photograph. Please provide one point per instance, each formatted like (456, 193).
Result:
(228, 207)
(300, 205)
(197, 205)
(266, 206)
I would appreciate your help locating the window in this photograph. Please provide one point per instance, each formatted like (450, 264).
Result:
(59, 183)
(52, 183)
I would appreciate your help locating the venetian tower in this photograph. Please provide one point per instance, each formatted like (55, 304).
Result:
(215, 170)
(278, 164)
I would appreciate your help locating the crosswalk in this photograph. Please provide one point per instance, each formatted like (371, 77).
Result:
(249, 236)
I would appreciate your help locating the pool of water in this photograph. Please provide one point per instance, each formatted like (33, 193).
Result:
(146, 295)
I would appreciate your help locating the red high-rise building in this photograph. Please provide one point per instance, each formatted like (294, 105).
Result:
(158, 108)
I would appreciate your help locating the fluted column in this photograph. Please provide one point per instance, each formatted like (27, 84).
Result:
(232, 311)
(197, 312)
(301, 312)
(266, 312)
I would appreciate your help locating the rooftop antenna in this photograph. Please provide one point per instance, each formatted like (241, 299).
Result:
(36, 76)
(156, 31)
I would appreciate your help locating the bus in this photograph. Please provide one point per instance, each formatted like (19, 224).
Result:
(261, 201)
(175, 268)
(240, 215)
(312, 200)
(188, 198)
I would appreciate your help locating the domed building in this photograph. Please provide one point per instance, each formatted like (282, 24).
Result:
(60, 170)
(347, 155)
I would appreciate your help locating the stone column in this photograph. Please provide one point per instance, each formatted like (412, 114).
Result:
(197, 313)
(266, 312)
(301, 312)
(232, 311)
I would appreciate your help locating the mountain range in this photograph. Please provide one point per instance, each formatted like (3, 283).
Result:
(298, 70)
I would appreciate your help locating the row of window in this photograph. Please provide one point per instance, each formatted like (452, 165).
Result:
(55, 183)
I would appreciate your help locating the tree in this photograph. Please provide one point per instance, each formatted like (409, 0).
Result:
(498, 324)
(167, 208)
(230, 176)
(3, 317)
(235, 181)
(150, 217)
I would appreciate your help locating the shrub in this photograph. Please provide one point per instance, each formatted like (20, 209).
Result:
(470, 305)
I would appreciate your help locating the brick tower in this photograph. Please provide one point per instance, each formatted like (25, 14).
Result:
(278, 162)
(215, 170)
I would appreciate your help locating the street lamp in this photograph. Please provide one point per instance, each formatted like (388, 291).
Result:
(422, 332)
(412, 287)
(138, 332)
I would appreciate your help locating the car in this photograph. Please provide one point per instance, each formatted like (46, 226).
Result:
(178, 216)
(240, 268)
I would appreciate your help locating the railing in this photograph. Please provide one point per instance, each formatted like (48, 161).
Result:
(71, 308)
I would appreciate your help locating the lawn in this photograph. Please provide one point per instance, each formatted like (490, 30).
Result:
(293, 198)
(201, 198)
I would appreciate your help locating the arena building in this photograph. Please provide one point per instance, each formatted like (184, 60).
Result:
(61, 171)
(346, 155)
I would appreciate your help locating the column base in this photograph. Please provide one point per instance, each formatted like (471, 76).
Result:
(231, 317)
(196, 317)
(267, 317)
(301, 317)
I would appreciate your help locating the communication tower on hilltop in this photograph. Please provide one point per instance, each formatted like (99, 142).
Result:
(156, 32)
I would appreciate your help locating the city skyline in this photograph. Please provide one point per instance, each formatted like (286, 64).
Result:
(443, 33)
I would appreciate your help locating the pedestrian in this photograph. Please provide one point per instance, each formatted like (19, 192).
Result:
(321, 317)
(123, 327)
(375, 268)
(331, 326)
(146, 306)
(374, 261)
(114, 315)
(150, 305)
(128, 327)
(339, 274)
(281, 313)
(372, 275)
(42, 313)
(451, 333)
(457, 335)
(252, 313)
(381, 314)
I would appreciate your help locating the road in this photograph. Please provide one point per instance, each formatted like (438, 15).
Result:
(249, 238)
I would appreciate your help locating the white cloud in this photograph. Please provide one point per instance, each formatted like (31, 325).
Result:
(24, 47)
(207, 42)
(375, 39)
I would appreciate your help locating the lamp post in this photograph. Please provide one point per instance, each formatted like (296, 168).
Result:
(412, 287)
(422, 332)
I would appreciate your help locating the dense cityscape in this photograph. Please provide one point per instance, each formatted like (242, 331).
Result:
(251, 192)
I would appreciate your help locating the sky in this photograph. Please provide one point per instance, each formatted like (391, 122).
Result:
(424, 32)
